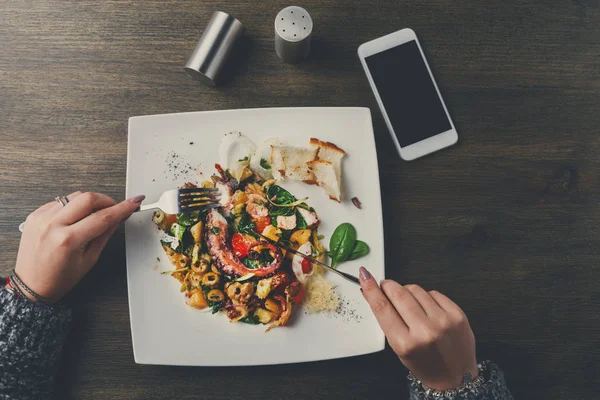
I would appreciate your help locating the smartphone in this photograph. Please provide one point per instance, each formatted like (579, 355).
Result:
(407, 94)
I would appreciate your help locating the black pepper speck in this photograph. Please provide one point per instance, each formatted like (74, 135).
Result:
(347, 312)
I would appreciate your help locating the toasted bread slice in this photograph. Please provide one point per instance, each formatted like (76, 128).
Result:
(326, 178)
(291, 162)
(330, 152)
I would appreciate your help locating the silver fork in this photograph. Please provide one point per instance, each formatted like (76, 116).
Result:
(180, 200)
(185, 200)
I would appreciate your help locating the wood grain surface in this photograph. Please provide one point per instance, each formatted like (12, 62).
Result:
(506, 223)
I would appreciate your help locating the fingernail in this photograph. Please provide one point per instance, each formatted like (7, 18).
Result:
(137, 199)
(364, 274)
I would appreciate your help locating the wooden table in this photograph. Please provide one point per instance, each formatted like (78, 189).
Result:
(505, 223)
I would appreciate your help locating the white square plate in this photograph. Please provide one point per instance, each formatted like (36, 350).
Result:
(164, 151)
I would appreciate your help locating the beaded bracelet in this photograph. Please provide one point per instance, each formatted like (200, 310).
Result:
(14, 278)
(467, 385)
(11, 287)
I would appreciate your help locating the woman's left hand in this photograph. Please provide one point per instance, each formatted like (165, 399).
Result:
(430, 334)
(60, 244)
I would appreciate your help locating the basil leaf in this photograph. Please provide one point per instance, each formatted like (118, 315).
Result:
(342, 243)
(361, 249)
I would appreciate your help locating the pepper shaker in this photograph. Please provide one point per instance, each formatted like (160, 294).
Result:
(293, 30)
(213, 48)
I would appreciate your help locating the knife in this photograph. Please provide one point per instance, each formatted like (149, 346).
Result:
(344, 275)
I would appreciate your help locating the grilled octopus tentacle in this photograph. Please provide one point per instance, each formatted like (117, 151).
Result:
(217, 238)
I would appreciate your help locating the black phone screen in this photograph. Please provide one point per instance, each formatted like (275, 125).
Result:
(408, 93)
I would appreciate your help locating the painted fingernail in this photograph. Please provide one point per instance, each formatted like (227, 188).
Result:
(137, 199)
(364, 274)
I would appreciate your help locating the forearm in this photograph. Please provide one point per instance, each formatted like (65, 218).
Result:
(493, 388)
(31, 339)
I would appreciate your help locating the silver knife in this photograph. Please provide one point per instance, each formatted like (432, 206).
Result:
(344, 275)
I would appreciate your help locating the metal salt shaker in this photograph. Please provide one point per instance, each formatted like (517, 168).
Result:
(213, 48)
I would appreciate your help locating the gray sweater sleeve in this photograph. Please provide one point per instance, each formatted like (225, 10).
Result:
(31, 339)
(493, 388)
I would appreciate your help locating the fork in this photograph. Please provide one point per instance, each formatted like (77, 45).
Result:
(185, 200)
(180, 200)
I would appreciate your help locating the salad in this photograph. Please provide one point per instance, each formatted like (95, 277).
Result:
(225, 266)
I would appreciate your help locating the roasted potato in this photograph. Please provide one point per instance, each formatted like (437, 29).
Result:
(272, 233)
(197, 300)
(273, 306)
(264, 316)
(263, 288)
(196, 232)
(300, 237)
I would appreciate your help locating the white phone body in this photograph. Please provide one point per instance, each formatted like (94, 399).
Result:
(438, 140)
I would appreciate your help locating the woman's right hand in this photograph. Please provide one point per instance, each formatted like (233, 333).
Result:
(60, 244)
(429, 332)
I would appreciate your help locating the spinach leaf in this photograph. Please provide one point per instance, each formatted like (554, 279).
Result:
(188, 218)
(250, 263)
(360, 249)
(215, 231)
(277, 211)
(265, 257)
(246, 225)
(342, 243)
(300, 221)
(186, 244)
(215, 306)
(285, 235)
(279, 195)
(250, 319)
(265, 164)
(177, 231)
(243, 159)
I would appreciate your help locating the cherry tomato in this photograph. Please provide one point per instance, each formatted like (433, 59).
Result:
(299, 297)
(241, 245)
(306, 266)
(262, 223)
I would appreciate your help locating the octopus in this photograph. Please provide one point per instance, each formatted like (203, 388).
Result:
(227, 186)
(219, 245)
(284, 317)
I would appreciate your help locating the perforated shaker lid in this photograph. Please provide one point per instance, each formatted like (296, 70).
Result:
(293, 29)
